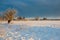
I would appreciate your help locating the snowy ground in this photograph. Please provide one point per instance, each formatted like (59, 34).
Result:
(35, 23)
(30, 30)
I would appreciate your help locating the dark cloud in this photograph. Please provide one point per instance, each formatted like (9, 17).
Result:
(49, 8)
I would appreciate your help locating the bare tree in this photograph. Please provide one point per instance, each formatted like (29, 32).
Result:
(9, 14)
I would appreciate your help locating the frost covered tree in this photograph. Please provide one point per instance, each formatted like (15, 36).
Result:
(10, 14)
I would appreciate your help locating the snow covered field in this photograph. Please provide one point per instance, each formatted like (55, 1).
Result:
(35, 23)
(34, 30)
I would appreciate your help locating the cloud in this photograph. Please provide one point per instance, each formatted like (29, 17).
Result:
(13, 2)
(33, 7)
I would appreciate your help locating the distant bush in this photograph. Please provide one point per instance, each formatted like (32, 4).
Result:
(21, 18)
(44, 18)
(37, 18)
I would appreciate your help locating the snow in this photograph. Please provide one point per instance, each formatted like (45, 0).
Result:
(35, 23)
(35, 30)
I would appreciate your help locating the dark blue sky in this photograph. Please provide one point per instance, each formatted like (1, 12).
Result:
(33, 8)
